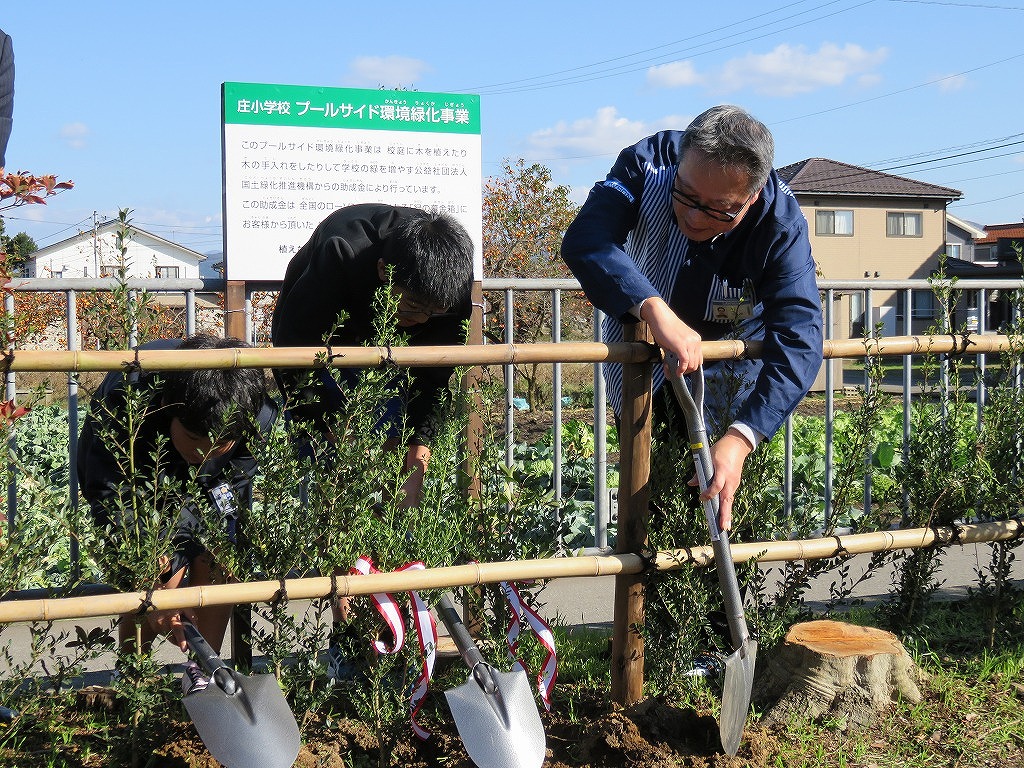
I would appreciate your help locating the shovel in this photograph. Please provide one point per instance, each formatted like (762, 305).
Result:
(244, 720)
(494, 712)
(739, 665)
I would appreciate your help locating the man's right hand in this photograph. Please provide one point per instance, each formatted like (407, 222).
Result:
(673, 335)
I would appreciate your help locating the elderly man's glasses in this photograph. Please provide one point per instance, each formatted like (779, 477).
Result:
(713, 213)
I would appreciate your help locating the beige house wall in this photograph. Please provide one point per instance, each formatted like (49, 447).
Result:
(869, 253)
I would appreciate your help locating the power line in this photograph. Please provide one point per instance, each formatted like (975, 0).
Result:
(972, 145)
(480, 88)
(980, 7)
(644, 63)
(896, 93)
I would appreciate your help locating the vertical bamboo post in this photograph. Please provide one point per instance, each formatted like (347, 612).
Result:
(627, 671)
(470, 385)
(234, 309)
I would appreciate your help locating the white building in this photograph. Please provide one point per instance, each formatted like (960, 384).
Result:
(94, 253)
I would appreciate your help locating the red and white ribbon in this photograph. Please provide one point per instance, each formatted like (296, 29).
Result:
(426, 634)
(386, 606)
(520, 612)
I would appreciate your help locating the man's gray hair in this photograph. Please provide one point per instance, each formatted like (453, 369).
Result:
(732, 137)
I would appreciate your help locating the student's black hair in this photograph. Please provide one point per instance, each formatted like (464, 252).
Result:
(432, 256)
(219, 401)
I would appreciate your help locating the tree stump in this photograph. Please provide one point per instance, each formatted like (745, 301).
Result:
(839, 671)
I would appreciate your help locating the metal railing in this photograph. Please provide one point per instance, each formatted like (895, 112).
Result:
(976, 293)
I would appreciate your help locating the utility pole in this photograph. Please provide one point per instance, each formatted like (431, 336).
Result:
(95, 247)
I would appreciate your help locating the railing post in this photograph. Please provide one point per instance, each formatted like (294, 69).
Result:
(10, 393)
(627, 672)
(601, 505)
(72, 329)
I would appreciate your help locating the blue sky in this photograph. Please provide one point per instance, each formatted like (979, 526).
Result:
(124, 98)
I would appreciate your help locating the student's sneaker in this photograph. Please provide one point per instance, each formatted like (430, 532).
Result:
(706, 665)
(340, 666)
(193, 679)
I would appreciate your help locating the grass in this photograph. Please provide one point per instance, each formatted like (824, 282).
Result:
(971, 715)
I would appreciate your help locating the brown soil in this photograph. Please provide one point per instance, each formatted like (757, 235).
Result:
(651, 734)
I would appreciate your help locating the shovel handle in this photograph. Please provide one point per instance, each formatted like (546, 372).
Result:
(692, 405)
(463, 641)
(207, 658)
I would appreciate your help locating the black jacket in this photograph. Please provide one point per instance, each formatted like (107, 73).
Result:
(336, 271)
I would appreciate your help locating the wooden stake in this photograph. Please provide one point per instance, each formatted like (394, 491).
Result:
(627, 670)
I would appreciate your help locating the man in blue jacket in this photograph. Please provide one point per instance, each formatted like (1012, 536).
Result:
(693, 232)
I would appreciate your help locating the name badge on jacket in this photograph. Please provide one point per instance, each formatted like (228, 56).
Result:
(730, 305)
(731, 310)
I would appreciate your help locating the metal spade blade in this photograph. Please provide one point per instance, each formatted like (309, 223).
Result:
(243, 720)
(495, 712)
(739, 684)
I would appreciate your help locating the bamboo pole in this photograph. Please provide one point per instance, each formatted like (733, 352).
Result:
(472, 354)
(473, 574)
(476, 574)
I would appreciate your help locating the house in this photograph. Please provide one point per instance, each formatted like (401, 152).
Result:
(961, 240)
(94, 253)
(995, 256)
(869, 224)
(1000, 244)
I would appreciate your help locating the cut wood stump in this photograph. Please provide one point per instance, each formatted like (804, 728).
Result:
(837, 671)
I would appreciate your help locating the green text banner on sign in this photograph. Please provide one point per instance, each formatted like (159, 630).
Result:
(293, 154)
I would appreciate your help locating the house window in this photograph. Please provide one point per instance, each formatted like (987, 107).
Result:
(901, 224)
(167, 272)
(953, 250)
(924, 306)
(833, 223)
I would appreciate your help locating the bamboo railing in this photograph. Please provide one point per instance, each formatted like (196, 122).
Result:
(475, 574)
(626, 564)
(469, 355)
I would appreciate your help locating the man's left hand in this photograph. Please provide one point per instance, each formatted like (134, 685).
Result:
(727, 457)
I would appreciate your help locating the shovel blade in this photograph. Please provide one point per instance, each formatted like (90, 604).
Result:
(501, 729)
(254, 726)
(739, 685)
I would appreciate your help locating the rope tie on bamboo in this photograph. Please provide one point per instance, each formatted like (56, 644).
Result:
(280, 597)
(133, 367)
(649, 559)
(334, 596)
(959, 347)
(389, 357)
(944, 535)
(841, 550)
(146, 604)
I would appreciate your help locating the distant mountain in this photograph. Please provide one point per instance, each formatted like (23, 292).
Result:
(213, 266)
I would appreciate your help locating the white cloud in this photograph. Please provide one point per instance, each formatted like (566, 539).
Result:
(74, 134)
(386, 71)
(786, 70)
(677, 74)
(952, 83)
(603, 133)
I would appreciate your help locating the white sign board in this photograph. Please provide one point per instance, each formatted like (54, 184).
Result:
(293, 154)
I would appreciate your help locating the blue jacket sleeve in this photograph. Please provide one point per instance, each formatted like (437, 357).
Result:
(792, 351)
(594, 244)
